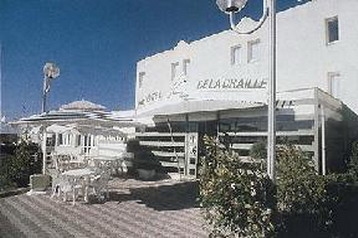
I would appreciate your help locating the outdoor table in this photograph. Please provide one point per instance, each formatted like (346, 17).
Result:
(79, 172)
(76, 164)
(107, 162)
(79, 177)
(115, 163)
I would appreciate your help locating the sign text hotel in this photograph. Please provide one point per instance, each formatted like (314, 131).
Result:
(232, 83)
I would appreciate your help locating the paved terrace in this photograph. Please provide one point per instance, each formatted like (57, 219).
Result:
(165, 208)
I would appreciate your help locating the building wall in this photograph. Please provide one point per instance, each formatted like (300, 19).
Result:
(304, 60)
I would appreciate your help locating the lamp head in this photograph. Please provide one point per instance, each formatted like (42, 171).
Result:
(51, 71)
(229, 6)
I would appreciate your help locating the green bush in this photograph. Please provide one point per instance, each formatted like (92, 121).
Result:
(353, 163)
(239, 199)
(5, 181)
(236, 199)
(258, 151)
(17, 168)
(302, 195)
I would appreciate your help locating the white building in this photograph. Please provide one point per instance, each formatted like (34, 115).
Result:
(317, 53)
(316, 48)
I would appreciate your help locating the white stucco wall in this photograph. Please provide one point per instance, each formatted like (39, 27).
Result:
(304, 59)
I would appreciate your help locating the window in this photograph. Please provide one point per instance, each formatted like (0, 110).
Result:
(78, 140)
(175, 67)
(186, 63)
(59, 139)
(67, 140)
(332, 32)
(253, 51)
(88, 143)
(64, 139)
(334, 84)
(140, 79)
(235, 55)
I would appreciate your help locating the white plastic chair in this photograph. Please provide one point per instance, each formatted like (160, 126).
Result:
(99, 184)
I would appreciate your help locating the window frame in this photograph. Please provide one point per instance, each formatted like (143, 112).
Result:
(331, 78)
(251, 43)
(141, 76)
(186, 63)
(174, 70)
(236, 60)
(327, 29)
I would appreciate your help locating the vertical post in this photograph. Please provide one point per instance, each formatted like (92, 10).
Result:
(43, 109)
(323, 138)
(271, 137)
(218, 125)
(44, 154)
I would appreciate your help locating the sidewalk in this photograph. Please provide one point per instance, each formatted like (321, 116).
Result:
(165, 208)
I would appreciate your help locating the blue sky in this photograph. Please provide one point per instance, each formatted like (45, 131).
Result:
(96, 44)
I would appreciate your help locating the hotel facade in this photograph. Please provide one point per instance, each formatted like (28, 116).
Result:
(218, 86)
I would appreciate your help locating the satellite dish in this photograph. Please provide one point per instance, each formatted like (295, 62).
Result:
(229, 6)
(51, 71)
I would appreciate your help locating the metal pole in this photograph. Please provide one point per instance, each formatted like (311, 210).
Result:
(271, 137)
(44, 95)
(323, 131)
(44, 150)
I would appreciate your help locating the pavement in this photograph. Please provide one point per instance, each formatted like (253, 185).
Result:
(164, 208)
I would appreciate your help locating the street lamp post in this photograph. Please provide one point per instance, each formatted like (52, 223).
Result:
(269, 10)
(51, 71)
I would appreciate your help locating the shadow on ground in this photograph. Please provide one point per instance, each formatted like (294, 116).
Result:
(163, 197)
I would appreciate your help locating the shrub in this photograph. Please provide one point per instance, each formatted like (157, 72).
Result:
(237, 198)
(258, 151)
(16, 169)
(353, 163)
(302, 196)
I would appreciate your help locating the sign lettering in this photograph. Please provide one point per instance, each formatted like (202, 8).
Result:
(232, 84)
(151, 97)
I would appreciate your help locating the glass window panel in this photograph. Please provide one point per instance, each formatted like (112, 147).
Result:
(140, 79)
(254, 51)
(186, 64)
(332, 29)
(334, 84)
(174, 70)
(236, 55)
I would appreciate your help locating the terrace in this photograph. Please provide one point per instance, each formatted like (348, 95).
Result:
(163, 208)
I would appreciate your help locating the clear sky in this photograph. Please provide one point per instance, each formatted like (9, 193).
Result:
(96, 44)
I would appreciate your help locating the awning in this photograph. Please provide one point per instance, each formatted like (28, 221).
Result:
(64, 118)
(192, 106)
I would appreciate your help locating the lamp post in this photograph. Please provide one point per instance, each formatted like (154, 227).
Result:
(51, 71)
(269, 11)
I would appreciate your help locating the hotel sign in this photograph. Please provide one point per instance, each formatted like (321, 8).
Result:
(231, 83)
(221, 84)
(151, 97)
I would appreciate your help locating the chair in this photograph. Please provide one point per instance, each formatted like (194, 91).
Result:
(63, 185)
(61, 162)
(99, 184)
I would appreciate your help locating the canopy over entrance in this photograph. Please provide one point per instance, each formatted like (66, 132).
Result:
(191, 107)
